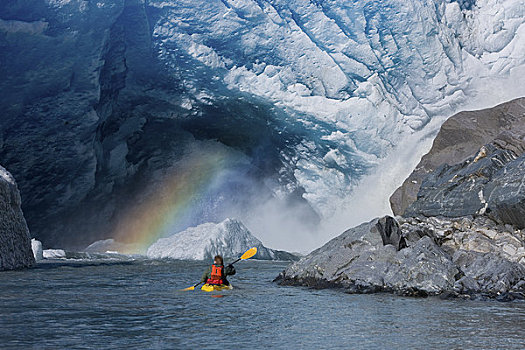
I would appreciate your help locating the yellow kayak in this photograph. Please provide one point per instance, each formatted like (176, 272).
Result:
(215, 287)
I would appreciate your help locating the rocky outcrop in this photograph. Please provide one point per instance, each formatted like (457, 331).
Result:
(462, 232)
(421, 256)
(489, 183)
(462, 136)
(15, 242)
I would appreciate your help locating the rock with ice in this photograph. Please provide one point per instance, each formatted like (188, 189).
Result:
(15, 242)
(229, 238)
(54, 254)
(36, 246)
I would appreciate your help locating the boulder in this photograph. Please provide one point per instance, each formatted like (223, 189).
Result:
(461, 137)
(360, 262)
(437, 256)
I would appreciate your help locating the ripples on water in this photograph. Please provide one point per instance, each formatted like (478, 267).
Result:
(138, 305)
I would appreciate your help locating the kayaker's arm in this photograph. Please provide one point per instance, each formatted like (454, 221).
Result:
(229, 270)
(206, 275)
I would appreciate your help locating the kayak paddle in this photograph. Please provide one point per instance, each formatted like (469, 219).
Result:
(247, 254)
(192, 287)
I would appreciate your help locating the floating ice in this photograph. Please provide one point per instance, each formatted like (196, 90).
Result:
(36, 246)
(54, 254)
(110, 246)
(229, 238)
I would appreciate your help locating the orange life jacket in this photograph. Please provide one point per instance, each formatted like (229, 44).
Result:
(217, 275)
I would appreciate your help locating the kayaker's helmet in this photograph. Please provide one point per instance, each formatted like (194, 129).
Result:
(218, 260)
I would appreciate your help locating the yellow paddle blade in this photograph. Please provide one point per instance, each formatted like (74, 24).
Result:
(249, 253)
(189, 288)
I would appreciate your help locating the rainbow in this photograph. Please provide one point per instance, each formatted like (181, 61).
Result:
(171, 201)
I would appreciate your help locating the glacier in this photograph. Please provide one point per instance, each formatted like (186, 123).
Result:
(310, 112)
(229, 238)
(360, 76)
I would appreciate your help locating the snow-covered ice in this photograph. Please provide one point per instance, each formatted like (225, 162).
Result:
(229, 238)
(54, 254)
(36, 246)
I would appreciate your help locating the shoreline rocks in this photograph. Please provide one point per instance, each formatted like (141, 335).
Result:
(463, 257)
(461, 233)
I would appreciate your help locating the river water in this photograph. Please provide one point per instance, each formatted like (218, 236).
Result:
(138, 305)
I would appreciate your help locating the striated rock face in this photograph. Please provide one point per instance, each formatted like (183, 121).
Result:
(15, 242)
(505, 194)
(458, 257)
(489, 183)
(460, 138)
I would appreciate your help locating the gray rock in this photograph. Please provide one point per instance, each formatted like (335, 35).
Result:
(458, 190)
(462, 256)
(15, 242)
(460, 137)
(490, 183)
(358, 261)
(390, 233)
(506, 194)
(487, 273)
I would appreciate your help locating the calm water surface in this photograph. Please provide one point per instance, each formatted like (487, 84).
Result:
(138, 305)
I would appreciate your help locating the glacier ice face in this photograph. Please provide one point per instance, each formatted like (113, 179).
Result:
(229, 238)
(15, 241)
(360, 76)
(315, 110)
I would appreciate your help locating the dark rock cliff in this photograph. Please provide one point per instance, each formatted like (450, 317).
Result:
(461, 137)
(15, 242)
(490, 183)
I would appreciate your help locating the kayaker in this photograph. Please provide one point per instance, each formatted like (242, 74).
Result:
(216, 273)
